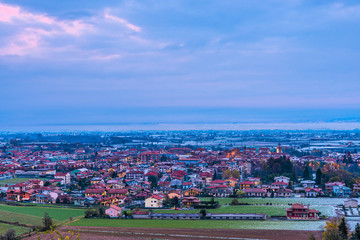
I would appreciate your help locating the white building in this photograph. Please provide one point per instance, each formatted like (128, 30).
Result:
(65, 177)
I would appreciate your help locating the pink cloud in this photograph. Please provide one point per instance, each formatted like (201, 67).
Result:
(33, 27)
(122, 21)
(7, 12)
(33, 32)
(10, 13)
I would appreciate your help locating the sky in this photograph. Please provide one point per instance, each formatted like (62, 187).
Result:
(92, 63)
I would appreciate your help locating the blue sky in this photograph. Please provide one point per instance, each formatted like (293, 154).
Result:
(113, 62)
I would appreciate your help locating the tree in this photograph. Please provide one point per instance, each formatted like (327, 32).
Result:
(356, 234)
(312, 236)
(47, 221)
(89, 213)
(272, 195)
(101, 212)
(335, 179)
(166, 202)
(214, 176)
(175, 201)
(9, 235)
(47, 184)
(294, 176)
(235, 174)
(235, 202)
(163, 158)
(343, 228)
(240, 193)
(332, 230)
(306, 174)
(153, 181)
(203, 213)
(318, 177)
(226, 174)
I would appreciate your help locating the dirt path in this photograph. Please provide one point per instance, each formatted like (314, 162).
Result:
(111, 233)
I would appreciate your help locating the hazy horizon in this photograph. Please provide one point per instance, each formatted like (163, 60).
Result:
(347, 126)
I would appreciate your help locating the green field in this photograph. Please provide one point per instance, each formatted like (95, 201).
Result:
(324, 205)
(277, 207)
(283, 201)
(19, 230)
(34, 215)
(17, 180)
(220, 224)
(268, 210)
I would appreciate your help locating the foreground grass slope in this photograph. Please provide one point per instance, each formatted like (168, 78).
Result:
(33, 215)
(19, 230)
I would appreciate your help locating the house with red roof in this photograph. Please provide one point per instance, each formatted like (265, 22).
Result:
(64, 177)
(135, 175)
(284, 192)
(113, 211)
(254, 192)
(313, 192)
(301, 212)
(278, 185)
(246, 185)
(155, 201)
(95, 191)
(330, 186)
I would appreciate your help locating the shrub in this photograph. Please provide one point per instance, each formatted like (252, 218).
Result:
(9, 235)
(234, 202)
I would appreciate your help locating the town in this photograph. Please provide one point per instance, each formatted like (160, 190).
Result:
(121, 170)
(281, 177)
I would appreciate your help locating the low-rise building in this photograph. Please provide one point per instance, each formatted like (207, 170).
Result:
(113, 211)
(64, 177)
(155, 201)
(301, 212)
(254, 192)
(351, 203)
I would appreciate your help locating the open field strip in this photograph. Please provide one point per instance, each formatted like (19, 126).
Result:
(18, 180)
(268, 210)
(325, 205)
(187, 236)
(207, 224)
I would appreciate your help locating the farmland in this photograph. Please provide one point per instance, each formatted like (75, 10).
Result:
(268, 210)
(17, 180)
(213, 224)
(283, 201)
(268, 206)
(33, 215)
